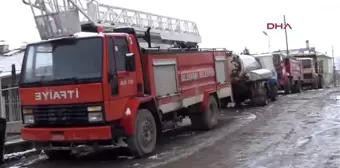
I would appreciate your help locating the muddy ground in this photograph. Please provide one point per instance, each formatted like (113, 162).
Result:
(298, 130)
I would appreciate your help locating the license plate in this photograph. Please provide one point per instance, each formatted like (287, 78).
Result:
(58, 136)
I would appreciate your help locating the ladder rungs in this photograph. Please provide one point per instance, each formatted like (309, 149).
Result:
(168, 28)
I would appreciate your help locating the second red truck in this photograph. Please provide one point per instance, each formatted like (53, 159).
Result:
(290, 73)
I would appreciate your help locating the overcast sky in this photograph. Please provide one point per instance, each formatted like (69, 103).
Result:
(230, 24)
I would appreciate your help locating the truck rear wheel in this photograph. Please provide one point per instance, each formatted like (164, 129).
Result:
(315, 84)
(321, 82)
(260, 101)
(273, 92)
(207, 119)
(143, 141)
(297, 87)
(288, 86)
(58, 154)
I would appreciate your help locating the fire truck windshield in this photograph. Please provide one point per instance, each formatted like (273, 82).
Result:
(307, 63)
(63, 61)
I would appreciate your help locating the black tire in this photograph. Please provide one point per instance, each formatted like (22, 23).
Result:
(238, 102)
(2, 154)
(321, 82)
(58, 154)
(260, 101)
(265, 98)
(288, 87)
(207, 119)
(274, 92)
(144, 140)
(315, 83)
(298, 86)
(263, 101)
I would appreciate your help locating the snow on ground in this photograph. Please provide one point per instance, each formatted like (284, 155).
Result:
(18, 154)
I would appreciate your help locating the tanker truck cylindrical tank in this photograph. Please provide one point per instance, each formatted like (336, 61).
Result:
(243, 64)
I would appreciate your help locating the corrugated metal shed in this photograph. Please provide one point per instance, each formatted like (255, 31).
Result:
(12, 57)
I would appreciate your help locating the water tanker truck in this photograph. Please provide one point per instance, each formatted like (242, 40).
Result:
(250, 81)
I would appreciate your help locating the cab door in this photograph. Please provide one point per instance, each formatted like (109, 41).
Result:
(123, 73)
(121, 77)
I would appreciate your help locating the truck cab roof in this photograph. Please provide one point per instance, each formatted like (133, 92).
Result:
(304, 58)
(76, 35)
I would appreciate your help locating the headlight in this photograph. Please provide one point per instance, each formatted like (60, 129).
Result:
(94, 108)
(95, 116)
(27, 111)
(28, 116)
(28, 119)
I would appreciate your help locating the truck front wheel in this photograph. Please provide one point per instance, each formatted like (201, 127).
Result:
(143, 141)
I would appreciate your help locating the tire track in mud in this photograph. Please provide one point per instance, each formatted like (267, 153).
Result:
(252, 145)
(206, 140)
(300, 145)
(218, 156)
(254, 135)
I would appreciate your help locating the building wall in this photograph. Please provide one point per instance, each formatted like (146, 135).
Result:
(10, 105)
(327, 69)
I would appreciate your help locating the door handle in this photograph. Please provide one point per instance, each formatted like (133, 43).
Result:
(122, 74)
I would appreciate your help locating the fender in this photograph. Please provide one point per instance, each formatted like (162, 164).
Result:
(130, 113)
(206, 96)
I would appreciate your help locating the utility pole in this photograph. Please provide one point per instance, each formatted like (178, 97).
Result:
(265, 33)
(334, 72)
(284, 22)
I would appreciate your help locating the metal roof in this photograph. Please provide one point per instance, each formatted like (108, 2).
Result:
(263, 55)
(12, 57)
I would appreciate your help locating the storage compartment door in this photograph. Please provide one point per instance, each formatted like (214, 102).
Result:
(220, 68)
(165, 72)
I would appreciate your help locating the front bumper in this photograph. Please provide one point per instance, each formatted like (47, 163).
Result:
(67, 134)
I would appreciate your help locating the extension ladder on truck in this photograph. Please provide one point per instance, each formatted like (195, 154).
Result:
(57, 18)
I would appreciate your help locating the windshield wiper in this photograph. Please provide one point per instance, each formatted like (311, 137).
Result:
(42, 79)
(72, 79)
(39, 82)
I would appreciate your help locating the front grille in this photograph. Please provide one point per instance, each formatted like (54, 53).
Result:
(308, 76)
(61, 115)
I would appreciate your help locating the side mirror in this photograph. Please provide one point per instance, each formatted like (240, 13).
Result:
(14, 75)
(130, 62)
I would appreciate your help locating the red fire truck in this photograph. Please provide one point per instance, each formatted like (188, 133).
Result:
(290, 73)
(97, 88)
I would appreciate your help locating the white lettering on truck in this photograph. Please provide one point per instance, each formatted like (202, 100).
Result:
(197, 75)
(54, 95)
